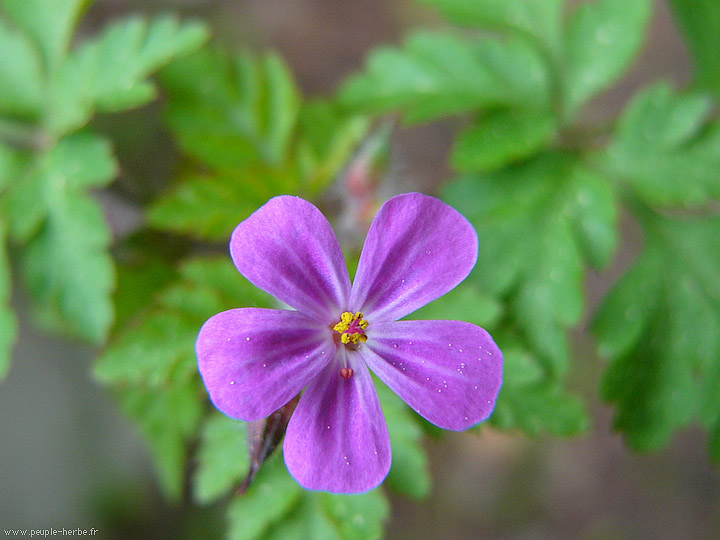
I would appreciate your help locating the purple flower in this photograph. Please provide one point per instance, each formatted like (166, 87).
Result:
(253, 361)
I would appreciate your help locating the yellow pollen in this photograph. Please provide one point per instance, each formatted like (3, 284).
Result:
(351, 328)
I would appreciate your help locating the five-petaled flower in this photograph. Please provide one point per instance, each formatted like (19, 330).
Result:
(253, 361)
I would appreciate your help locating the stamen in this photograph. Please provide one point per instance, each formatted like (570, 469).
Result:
(346, 372)
(351, 328)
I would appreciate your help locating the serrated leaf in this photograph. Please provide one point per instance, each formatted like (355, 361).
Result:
(267, 501)
(276, 508)
(232, 111)
(532, 400)
(49, 22)
(665, 148)
(409, 473)
(601, 40)
(700, 20)
(159, 345)
(68, 268)
(242, 117)
(21, 91)
(222, 458)
(211, 205)
(109, 73)
(8, 323)
(664, 368)
(502, 137)
(168, 417)
(467, 302)
(79, 161)
(65, 261)
(540, 19)
(437, 75)
(528, 218)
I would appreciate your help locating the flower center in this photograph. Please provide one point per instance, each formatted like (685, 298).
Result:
(351, 328)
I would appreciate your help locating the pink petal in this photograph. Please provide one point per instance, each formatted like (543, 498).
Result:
(449, 372)
(289, 249)
(337, 439)
(253, 361)
(418, 249)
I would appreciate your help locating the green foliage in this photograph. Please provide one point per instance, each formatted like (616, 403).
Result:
(409, 473)
(276, 508)
(437, 75)
(49, 24)
(665, 148)
(551, 207)
(503, 137)
(540, 21)
(152, 360)
(168, 417)
(48, 164)
(700, 20)
(561, 216)
(223, 459)
(532, 401)
(109, 73)
(661, 327)
(244, 121)
(65, 261)
(601, 39)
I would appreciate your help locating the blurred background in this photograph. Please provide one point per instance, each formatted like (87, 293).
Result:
(69, 458)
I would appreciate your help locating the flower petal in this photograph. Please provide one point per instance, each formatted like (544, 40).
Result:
(449, 372)
(418, 248)
(253, 361)
(337, 439)
(289, 249)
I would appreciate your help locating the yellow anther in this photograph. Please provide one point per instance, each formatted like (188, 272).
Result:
(351, 328)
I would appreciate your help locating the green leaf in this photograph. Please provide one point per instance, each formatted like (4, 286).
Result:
(601, 40)
(230, 112)
(466, 302)
(68, 268)
(11, 165)
(661, 328)
(8, 323)
(65, 261)
(242, 117)
(531, 401)
(109, 73)
(270, 497)
(409, 473)
(21, 91)
(49, 23)
(699, 21)
(222, 458)
(79, 161)
(437, 75)
(167, 417)
(531, 221)
(539, 19)
(211, 205)
(276, 508)
(502, 137)
(666, 150)
(158, 346)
